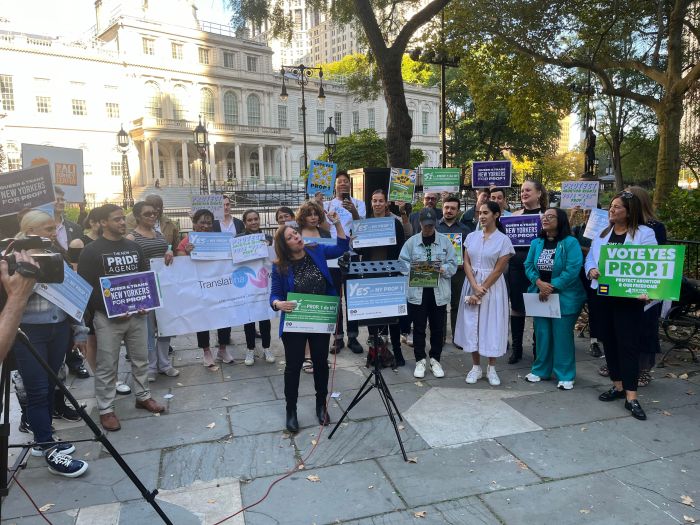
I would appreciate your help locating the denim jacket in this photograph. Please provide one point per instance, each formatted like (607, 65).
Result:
(441, 250)
(41, 311)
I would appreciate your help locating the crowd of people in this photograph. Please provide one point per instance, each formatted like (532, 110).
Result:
(484, 294)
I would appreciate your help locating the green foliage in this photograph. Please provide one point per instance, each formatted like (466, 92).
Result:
(679, 213)
(638, 154)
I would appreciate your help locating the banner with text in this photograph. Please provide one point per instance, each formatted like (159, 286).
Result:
(66, 165)
(402, 184)
(630, 271)
(71, 295)
(315, 314)
(376, 297)
(487, 173)
(129, 293)
(321, 178)
(210, 246)
(214, 203)
(380, 231)
(205, 295)
(441, 179)
(522, 229)
(581, 193)
(29, 188)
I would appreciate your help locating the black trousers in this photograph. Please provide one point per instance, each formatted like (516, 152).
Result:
(249, 329)
(223, 335)
(620, 322)
(423, 314)
(339, 284)
(456, 284)
(294, 345)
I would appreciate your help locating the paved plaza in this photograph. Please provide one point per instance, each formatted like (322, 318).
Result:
(518, 453)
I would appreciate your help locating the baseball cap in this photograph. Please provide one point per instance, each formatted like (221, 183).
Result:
(427, 216)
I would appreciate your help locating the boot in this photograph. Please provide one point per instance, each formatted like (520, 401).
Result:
(517, 327)
(292, 422)
(323, 417)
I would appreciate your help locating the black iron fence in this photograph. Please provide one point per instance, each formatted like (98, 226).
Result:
(691, 268)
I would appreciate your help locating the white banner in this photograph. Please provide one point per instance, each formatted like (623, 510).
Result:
(205, 295)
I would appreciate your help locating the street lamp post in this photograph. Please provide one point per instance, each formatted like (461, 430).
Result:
(123, 146)
(302, 74)
(330, 139)
(202, 143)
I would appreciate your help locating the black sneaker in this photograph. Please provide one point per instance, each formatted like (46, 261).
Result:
(337, 346)
(80, 371)
(354, 345)
(24, 426)
(595, 350)
(64, 448)
(64, 465)
(67, 413)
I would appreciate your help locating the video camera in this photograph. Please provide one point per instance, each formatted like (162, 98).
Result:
(50, 265)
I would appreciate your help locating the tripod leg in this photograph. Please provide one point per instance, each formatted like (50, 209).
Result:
(383, 387)
(383, 394)
(358, 397)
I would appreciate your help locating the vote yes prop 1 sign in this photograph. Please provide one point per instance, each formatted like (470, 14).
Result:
(631, 271)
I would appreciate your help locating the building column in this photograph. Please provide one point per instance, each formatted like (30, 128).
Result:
(147, 160)
(156, 159)
(212, 161)
(244, 108)
(239, 173)
(185, 162)
(288, 158)
(261, 162)
(283, 163)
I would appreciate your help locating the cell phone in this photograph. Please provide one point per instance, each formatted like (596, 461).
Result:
(344, 196)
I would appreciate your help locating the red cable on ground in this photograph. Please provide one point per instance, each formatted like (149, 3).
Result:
(16, 478)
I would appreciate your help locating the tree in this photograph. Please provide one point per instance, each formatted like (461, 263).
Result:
(387, 36)
(577, 34)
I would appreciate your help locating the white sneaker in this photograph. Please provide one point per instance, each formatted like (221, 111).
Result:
(492, 376)
(152, 377)
(409, 339)
(419, 372)
(436, 368)
(403, 338)
(269, 356)
(566, 385)
(532, 378)
(474, 374)
(249, 357)
(123, 388)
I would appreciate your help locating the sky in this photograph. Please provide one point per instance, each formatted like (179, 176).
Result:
(74, 17)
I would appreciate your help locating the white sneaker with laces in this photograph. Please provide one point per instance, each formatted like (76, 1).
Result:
(419, 372)
(269, 356)
(492, 376)
(436, 368)
(249, 357)
(532, 378)
(566, 385)
(474, 374)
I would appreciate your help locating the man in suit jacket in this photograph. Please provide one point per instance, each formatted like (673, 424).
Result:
(66, 230)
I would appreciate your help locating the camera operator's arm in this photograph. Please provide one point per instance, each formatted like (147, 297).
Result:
(18, 289)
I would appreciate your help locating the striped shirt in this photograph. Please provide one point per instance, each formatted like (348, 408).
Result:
(153, 248)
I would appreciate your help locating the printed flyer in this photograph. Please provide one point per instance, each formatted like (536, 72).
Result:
(314, 313)
(402, 184)
(130, 293)
(424, 274)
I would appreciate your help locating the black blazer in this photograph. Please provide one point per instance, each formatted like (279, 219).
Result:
(238, 223)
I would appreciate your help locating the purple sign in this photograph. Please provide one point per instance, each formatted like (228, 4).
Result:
(491, 173)
(130, 293)
(522, 229)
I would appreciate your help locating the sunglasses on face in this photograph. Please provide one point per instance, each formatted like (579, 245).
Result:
(149, 214)
(627, 195)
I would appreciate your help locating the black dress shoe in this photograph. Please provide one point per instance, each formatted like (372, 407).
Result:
(354, 345)
(612, 395)
(636, 409)
(80, 371)
(292, 422)
(513, 359)
(337, 346)
(323, 417)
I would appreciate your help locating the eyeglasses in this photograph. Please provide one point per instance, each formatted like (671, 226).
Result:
(549, 218)
(149, 214)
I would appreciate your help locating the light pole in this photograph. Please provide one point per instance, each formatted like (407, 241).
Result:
(202, 143)
(302, 74)
(330, 138)
(123, 146)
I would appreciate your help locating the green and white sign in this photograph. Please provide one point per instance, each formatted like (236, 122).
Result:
(424, 274)
(315, 314)
(441, 179)
(631, 271)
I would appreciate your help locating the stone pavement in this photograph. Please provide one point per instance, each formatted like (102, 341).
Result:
(518, 453)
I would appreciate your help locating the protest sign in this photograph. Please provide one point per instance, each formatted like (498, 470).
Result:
(205, 295)
(522, 229)
(379, 231)
(210, 246)
(402, 184)
(129, 293)
(321, 178)
(597, 222)
(330, 241)
(249, 247)
(581, 193)
(424, 274)
(29, 188)
(457, 243)
(487, 173)
(630, 271)
(65, 165)
(441, 179)
(316, 314)
(376, 297)
(214, 203)
(71, 295)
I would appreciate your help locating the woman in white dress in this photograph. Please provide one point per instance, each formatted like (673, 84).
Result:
(482, 320)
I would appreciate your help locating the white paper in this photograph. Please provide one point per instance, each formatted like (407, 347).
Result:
(536, 308)
(597, 222)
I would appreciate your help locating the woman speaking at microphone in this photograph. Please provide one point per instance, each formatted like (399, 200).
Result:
(303, 269)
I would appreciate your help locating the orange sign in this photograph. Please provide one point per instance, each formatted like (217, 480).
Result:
(66, 174)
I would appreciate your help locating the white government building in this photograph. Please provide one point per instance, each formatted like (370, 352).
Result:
(154, 67)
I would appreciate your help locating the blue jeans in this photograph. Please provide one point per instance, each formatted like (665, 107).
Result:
(51, 342)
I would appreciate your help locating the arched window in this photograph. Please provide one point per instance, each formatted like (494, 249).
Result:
(230, 108)
(179, 102)
(253, 110)
(153, 104)
(254, 165)
(206, 104)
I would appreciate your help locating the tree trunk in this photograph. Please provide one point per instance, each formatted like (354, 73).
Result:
(668, 160)
(617, 159)
(399, 128)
